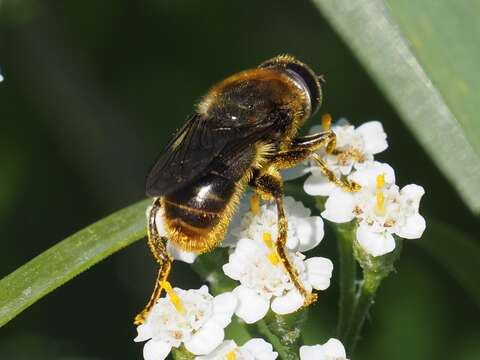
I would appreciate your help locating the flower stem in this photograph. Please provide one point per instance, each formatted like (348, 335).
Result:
(365, 299)
(283, 332)
(182, 354)
(348, 275)
(281, 349)
(375, 269)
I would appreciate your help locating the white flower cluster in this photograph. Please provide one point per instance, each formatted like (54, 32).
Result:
(355, 147)
(381, 208)
(253, 261)
(193, 318)
(196, 319)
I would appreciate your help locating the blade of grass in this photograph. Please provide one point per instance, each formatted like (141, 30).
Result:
(375, 38)
(444, 36)
(68, 258)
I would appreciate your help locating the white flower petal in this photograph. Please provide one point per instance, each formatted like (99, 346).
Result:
(206, 339)
(260, 349)
(374, 243)
(411, 195)
(144, 332)
(185, 256)
(367, 175)
(319, 272)
(233, 269)
(288, 303)
(318, 185)
(334, 349)
(314, 352)
(374, 136)
(339, 207)
(159, 221)
(413, 191)
(224, 306)
(413, 228)
(156, 350)
(220, 352)
(245, 250)
(310, 232)
(251, 306)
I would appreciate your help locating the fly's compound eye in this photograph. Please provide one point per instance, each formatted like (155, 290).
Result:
(309, 80)
(301, 74)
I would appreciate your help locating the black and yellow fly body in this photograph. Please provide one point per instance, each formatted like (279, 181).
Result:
(241, 134)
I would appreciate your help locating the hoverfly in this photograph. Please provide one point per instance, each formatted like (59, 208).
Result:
(242, 133)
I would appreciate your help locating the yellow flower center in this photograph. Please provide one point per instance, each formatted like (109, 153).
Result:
(272, 257)
(255, 204)
(326, 122)
(231, 355)
(174, 298)
(267, 239)
(380, 208)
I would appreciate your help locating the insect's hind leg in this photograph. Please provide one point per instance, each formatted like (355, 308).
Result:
(158, 247)
(272, 185)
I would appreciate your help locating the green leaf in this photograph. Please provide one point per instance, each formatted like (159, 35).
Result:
(70, 257)
(438, 101)
(444, 36)
(455, 251)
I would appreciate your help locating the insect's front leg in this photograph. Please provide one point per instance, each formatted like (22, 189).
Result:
(158, 247)
(303, 148)
(271, 184)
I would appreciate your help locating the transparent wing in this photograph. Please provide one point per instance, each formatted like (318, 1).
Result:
(196, 147)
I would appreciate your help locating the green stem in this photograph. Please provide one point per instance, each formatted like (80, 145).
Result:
(285, 331)
(182, 354)
(348, 277)
(284, 352)
(375, 269)
(366, 294)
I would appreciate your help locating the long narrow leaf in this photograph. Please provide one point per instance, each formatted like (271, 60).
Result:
(444, 36)
(375, 38)
(68, 258)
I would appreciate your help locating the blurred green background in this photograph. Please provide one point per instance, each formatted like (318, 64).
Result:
(92, 91)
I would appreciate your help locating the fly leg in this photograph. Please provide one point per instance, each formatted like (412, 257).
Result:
(303, 148)
(270, 184)
(158, 247)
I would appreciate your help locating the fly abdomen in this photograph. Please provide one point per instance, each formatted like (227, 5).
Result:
(194, 215)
